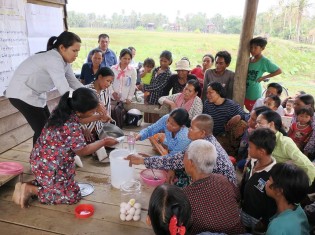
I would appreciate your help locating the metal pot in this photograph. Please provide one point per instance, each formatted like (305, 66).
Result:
(110, 130)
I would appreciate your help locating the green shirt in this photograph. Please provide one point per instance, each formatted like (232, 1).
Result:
(286, 150)
(146, 79)
(256, 71)
(289, 222)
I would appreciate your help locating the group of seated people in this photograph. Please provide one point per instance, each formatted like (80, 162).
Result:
(204, 127)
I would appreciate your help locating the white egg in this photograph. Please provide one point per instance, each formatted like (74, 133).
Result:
(123, 204)
(129, 217)
(132, 211)
(123, 210)
(138, 212)
(136, 217)
(123, 217)
(127, 207)
(137, 205)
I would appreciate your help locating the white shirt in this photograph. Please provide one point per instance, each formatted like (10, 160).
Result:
(125, 82)
(38, 74)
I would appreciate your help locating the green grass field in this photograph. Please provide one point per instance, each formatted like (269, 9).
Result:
(296, 60)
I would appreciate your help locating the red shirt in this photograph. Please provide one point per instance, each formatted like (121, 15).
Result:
(214, 203)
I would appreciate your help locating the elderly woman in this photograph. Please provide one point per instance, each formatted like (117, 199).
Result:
(201, 128)
(187, 99)
(220, 108)
(178, 81)
(213, 199)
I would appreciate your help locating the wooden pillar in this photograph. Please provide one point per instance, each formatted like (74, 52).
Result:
(249, 19)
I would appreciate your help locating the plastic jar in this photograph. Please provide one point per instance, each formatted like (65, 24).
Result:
(130, 206)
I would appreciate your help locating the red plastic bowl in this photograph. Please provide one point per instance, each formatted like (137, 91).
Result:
(148, 177)
(84, 211)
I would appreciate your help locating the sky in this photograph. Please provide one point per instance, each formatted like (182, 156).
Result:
(169, 8)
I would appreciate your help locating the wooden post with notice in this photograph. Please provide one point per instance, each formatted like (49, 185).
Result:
(249, 19)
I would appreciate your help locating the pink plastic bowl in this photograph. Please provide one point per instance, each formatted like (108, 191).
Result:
(148, 177)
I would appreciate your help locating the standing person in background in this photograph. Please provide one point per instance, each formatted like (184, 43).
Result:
(160, 78)
(155, 89)
(220, 74)
(89, 69)
(178, 81)
(109, 57)
(123, 87)
(134, 63)
(39, 74)
(258, 65)
(199, 72)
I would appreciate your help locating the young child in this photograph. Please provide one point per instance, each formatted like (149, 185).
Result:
(273, 102)
(52, 158)
(258, 65)
(146, 73)
(256, 205)
(169, 211)
(288, 186)
(289, 110)
(301, 131)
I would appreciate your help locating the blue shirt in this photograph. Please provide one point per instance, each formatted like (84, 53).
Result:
(87, 73)
(109, 58)
(176, 144)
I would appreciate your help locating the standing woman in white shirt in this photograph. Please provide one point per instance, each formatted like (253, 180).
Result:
(40, 73)
(125, 78)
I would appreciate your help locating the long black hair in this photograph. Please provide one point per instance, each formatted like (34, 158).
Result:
(82, 100)
(168, 200)
(67, 39)
(272, 116)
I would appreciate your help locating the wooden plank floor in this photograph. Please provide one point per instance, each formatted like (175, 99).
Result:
(60, 219)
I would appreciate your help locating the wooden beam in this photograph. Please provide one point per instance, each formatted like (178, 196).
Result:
(148, 108)
(249, 19)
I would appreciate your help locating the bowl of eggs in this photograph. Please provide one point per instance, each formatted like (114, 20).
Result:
(130, 210)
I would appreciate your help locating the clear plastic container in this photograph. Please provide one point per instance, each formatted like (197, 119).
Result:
(131, 139)
(130, 206)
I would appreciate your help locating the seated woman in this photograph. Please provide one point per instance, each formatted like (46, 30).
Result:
(174, 127)
(214, 200)
(124, 85)
(169, 211)
(285, 150)
(222, 110)
(52, 158)
(187, 99)
(288, 186)
(178, 81)
(88, 71)
(104, 77)
(299, 102)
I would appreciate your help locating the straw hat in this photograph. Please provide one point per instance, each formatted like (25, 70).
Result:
(182, 65)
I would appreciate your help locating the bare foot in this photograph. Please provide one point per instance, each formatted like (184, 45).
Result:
(16, 198)
(26, 194)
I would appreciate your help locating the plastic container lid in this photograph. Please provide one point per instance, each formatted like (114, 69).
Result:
(83, 211)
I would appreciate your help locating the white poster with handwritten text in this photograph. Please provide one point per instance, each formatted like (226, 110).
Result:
(13, 39)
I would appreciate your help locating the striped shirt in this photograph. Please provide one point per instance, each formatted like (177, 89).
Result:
(222, 113)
